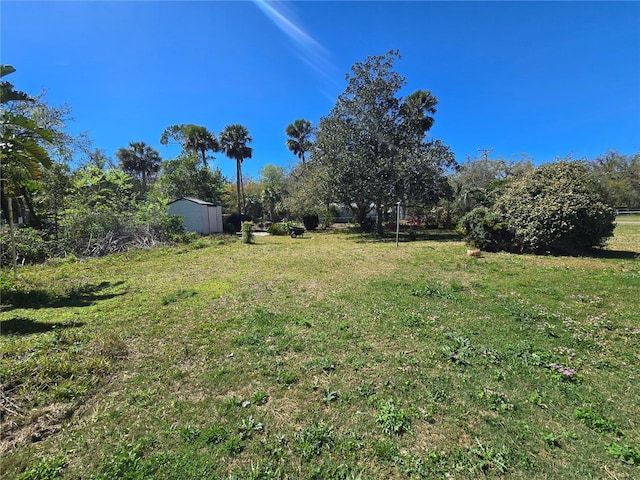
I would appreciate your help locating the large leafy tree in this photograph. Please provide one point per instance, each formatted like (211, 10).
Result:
(234, 140)
(192, 138)
(184, 176)
(139, 160)
(373, 142)
(618, 178)
(300, 140)
(272, 182)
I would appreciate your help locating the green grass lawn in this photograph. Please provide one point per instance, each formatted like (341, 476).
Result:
(333, 356)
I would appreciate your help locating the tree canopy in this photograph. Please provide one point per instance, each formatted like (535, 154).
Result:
(372, 143)
(139, 160)
(192, 138)
(300, 134)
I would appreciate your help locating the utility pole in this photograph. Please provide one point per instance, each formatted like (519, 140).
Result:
(486, 152)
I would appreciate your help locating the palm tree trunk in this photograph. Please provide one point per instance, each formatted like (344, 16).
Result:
(239, 180)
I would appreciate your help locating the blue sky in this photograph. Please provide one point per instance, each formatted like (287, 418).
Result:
(546, 79)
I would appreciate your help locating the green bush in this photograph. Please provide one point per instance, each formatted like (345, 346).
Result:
(247, 232)
(484, 229)
(278, 229)
(311, 222)
(32, 246)
(556, 208)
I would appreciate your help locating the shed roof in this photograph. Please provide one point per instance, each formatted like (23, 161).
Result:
(194, 200)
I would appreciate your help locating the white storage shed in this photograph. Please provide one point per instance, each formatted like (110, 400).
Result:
(197, 215)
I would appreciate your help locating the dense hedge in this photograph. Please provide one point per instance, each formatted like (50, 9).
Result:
(554, 208)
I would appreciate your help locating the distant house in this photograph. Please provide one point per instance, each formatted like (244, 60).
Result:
(197, 215)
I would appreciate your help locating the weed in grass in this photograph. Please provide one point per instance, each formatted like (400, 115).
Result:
(496, 401)
(596, 421)
(565, 374)
(233, 445)
(539, 399)
(259, 398)
(229, 404)
(393, 419)
(189, 433)
(386, 450)
(458, 350)
(286, 378)
(46, 469)
(487, 459)
(177, 295)
(436, 290)
(214, 435)
(259, 470)
(550, 439)
(248, 426)
(629, 454)
(128, 462)
(330, 395)
(314, 439)
(367, 390)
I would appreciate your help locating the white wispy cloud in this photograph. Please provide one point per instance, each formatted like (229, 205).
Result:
(310, 51)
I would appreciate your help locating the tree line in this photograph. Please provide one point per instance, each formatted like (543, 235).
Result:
(370, 152)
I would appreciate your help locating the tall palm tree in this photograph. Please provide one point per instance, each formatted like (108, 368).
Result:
(300, 141)
(139, 159)
(233, 142)
(193, 138)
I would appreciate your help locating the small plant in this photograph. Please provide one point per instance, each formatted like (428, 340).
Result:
(386, 450)
(550, 439)
(623, 451)
(435, 290)
(214, 435)
(248, 426)
(260, 398)
(366, 389)
(596, 422)
(489, 458)
(392, 419)
(330, 395)
(497, 401)
(247, 232)
(459, 350)
(286, 378)
(46, 469)
(233, 446)
(314, 439)
(177, 295)
(563, 373)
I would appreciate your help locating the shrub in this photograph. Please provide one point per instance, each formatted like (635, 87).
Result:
(484, 229)
(32, 246)
(556, 208)
(311, 222)
(247, 232)
(277, 229)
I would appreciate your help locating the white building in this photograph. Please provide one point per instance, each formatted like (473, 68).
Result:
(197, 215)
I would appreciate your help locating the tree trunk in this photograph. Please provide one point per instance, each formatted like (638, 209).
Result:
(12, 236)
(379, 229)
(239, 177)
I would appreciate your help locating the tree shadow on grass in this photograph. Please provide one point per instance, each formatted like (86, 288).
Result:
(79, 296)
(26, 326)
(407, 237)
(616, 254)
